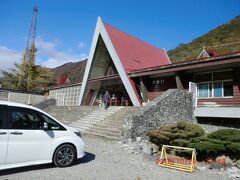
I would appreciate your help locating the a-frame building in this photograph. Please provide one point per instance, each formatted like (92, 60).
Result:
(113, 55)
(135, 72)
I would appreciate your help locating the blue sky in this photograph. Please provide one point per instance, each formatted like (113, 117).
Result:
(65, 27)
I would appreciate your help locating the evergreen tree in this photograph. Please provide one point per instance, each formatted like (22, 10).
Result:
(27, 77)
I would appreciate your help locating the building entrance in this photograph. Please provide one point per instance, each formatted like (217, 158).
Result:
(116, 89)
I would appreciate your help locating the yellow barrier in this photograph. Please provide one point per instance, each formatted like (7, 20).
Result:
(177, 162)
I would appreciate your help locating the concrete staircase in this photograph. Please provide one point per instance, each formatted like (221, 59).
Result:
(94, 120)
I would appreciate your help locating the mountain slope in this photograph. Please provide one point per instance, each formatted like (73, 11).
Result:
(224, 34)
(73, 70)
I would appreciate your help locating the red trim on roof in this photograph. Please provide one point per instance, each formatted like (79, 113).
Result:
(135, 90)
(134, 53)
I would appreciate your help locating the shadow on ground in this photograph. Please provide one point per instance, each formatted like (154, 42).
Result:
(86, 159)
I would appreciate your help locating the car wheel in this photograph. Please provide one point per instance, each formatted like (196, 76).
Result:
(64, 156)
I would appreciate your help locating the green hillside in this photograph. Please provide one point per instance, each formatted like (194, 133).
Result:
(213, 40)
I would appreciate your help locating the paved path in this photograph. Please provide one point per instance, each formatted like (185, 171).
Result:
(106, 160)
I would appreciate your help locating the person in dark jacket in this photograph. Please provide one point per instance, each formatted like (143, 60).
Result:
(106, 97)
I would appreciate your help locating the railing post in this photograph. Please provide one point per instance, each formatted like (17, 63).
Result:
(29, 99)
(9, 96)
(64, 99)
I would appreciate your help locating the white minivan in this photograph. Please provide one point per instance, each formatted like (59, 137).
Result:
(29, 136)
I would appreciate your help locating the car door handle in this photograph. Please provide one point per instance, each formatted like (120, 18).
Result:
(3, 133)
(16, 133)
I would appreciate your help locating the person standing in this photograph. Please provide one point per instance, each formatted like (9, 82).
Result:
(106, 97)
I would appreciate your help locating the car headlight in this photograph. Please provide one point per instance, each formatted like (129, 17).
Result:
(78, 134)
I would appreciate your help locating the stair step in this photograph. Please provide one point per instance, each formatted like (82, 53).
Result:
(97, 120)
(107, 131)
(94, 120)
(104, 136)
(100, 131)
(89, 123)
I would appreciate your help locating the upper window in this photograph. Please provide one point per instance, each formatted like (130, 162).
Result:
(205, 77)
(213, 76)
(23, 119)
(222, 75)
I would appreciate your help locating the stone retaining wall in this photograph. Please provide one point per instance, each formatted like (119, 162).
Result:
(172, 106)
(46, 104)
(20, 97)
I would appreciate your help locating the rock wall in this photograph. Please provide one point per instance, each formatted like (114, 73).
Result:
(46, 104)
(172, 106)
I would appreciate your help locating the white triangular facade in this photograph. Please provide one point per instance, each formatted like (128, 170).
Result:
(203, 54)
(101, 31)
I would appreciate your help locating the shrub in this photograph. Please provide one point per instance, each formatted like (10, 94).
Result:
(181, 124)
(181, 142)
(208, 149)
(201, 138)
(190, 127)
(233, 150)
(224, 141)
(167, 128)
(217, 143)
(230, 135)
(157, 137)
(179, 134)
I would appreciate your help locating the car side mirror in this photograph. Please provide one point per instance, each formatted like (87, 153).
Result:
(45, 126)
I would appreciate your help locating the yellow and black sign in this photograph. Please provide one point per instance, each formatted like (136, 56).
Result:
(176, 162)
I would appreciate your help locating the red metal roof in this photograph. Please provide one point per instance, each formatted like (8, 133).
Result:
(213, 52)
(134, 53)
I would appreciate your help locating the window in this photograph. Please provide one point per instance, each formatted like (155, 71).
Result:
(23, 119)
(217, 89)
(203, 77)
(52, 125)
(228, 88)
(203, 90)
(222, 75)
(215, 84)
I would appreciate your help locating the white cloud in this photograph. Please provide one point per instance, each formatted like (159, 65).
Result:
(81, 45)
(48, 55)
(55, 57)
(8, 57)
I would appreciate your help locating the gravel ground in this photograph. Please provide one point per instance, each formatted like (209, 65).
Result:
(107, 160)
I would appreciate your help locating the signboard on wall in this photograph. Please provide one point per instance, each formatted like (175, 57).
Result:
(193, 89)
(161, 81)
